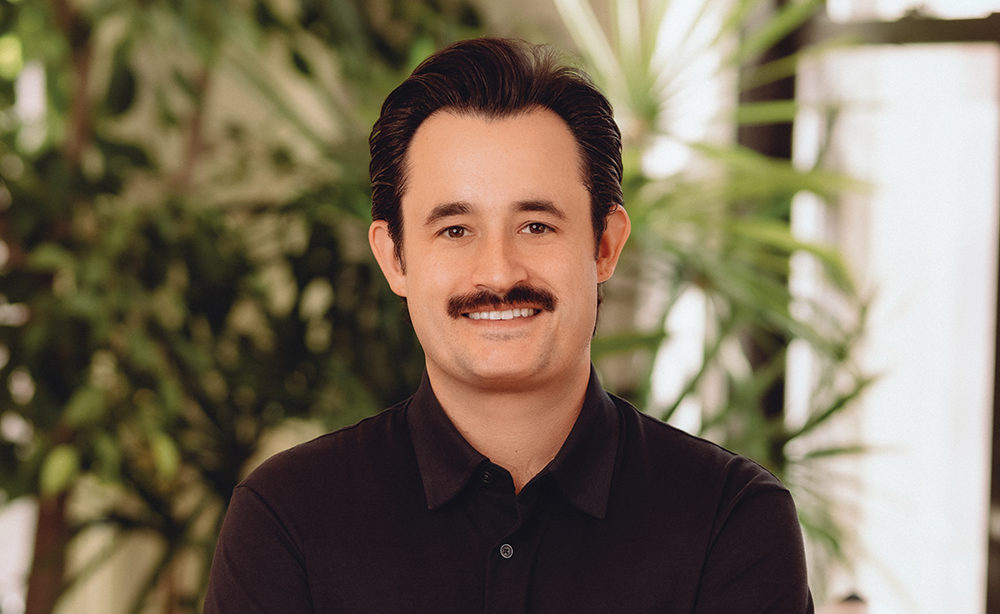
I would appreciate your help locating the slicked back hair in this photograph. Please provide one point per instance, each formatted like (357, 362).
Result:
(495, 78)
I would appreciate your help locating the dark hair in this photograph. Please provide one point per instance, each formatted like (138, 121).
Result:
(495, 78)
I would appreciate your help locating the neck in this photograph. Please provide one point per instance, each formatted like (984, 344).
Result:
(519, 429)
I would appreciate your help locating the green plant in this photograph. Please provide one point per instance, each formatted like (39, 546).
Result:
(715, 226)
(184, 212)
(184, 220)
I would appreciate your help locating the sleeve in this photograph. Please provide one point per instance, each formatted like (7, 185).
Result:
(257, 567)
(756, 563)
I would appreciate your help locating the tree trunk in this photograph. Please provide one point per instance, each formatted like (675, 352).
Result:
(49, 562)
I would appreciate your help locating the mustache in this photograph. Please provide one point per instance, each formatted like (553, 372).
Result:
(480, 301)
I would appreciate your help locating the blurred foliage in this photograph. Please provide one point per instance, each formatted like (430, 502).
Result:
(183, 206)
(712, 228)
(183, 214)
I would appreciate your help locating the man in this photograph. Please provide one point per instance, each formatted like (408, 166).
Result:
(510, 482)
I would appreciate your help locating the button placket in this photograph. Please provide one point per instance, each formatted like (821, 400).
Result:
(508, 577)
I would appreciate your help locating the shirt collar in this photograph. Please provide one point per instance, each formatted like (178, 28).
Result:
(446, 460)
(582, 470)
(585, 465)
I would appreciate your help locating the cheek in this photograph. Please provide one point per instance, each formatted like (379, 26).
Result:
(580, 274)
(430, 285)
(576, 289)
(439, 279)
(426, 270)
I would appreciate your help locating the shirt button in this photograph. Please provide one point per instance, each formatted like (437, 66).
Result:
(506, 551)
(486, 477)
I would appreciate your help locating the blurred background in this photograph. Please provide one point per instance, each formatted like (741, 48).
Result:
(186, 285)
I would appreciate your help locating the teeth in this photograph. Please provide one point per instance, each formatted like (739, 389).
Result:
(508, 314)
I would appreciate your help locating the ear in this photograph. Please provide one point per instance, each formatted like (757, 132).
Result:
(612, 242)
(384, 249)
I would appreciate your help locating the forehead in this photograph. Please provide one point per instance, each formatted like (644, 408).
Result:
(470, 158)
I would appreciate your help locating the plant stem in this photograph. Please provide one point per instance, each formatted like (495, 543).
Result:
(49, 562)
(195, 138)
(77, 33)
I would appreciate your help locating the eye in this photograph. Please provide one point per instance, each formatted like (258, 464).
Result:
(454, 232)
(536, 228)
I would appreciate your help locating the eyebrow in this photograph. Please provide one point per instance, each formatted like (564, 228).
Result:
(541, 206)
(461, 207)
(447, 210)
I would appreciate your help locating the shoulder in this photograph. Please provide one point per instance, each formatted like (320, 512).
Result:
(663, 452)
(704, 491)
(360, 450)
(729, 525)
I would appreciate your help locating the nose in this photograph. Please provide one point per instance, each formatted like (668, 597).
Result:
(499, 266)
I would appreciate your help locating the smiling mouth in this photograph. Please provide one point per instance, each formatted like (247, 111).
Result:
(487, 305)
(506, 314)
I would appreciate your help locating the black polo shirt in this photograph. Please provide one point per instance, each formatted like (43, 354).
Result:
(400, 514)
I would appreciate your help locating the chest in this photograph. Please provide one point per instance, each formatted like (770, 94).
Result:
(487, 552)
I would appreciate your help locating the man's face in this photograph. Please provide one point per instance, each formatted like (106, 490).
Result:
(500, 275)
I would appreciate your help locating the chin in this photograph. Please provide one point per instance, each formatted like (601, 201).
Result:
(503, 374)
(510, 376)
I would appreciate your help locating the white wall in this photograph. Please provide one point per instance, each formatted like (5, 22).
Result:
(921, 124)
(17, 526)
